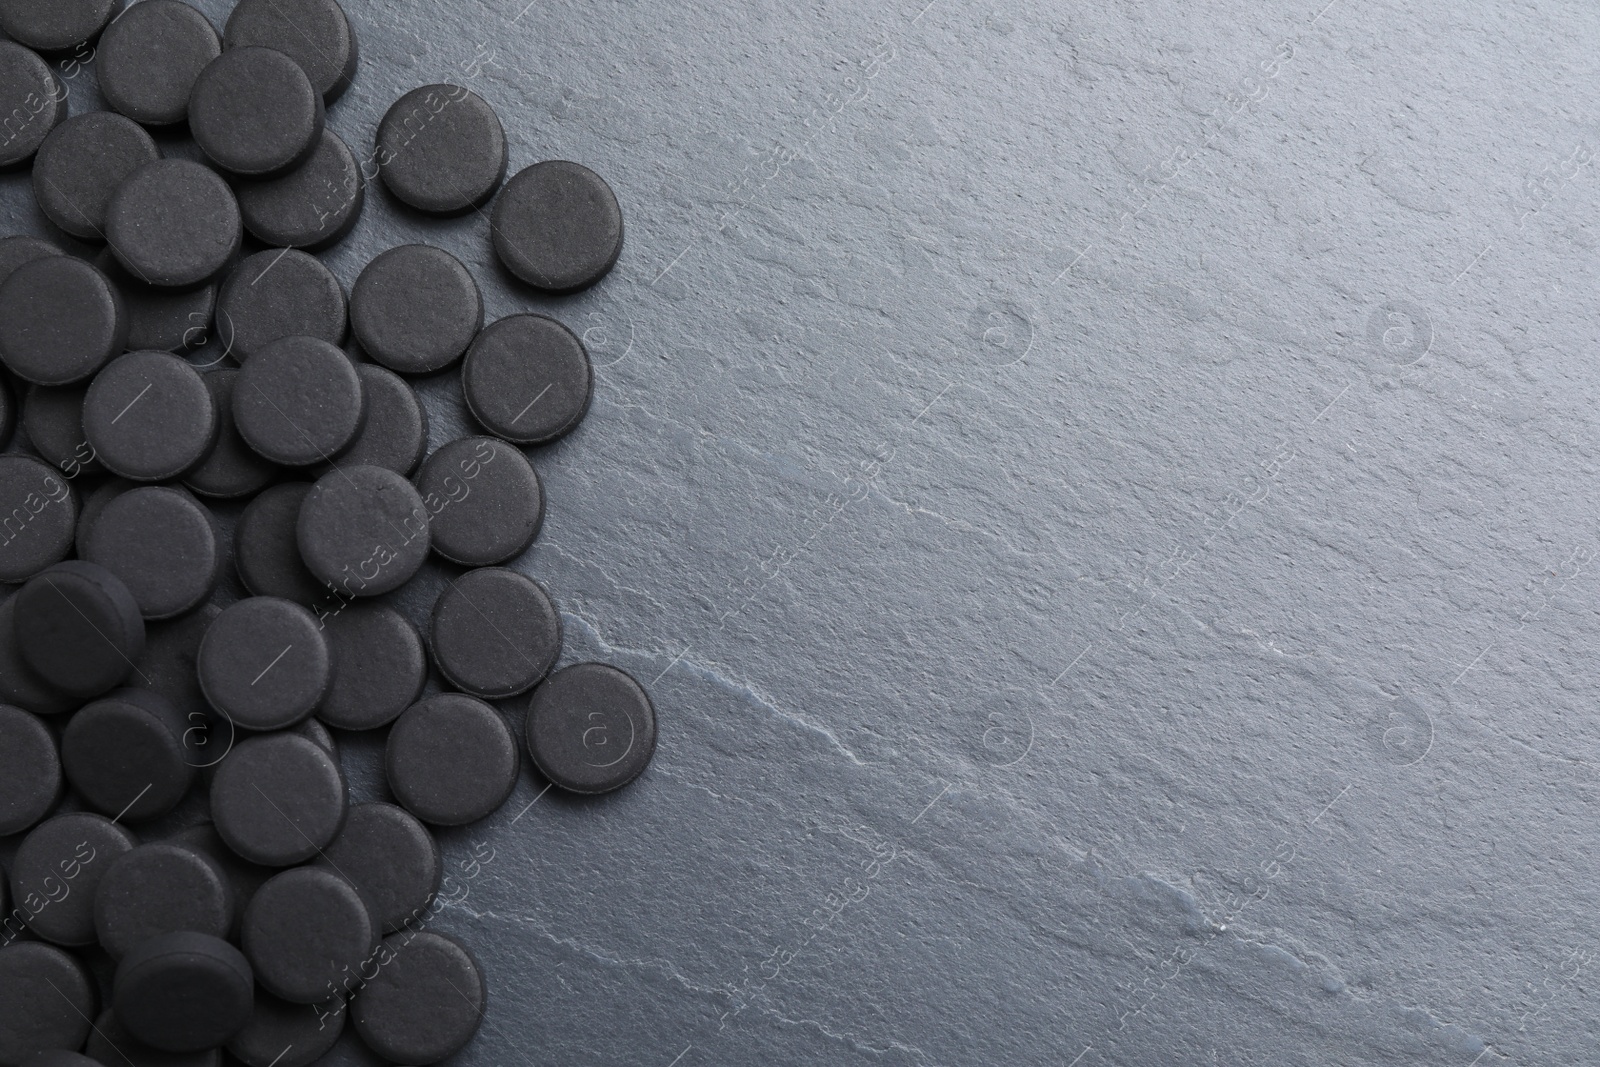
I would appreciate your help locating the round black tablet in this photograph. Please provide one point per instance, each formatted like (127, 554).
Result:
(495, 633)
(426, 1002)
(391, 858)
(254, 113)
(149, 417)
(298, 401)
(38, 518)
(527, 379)
(278, 799)
(52, 419)
(15, 251)
(161, 320)
(441, 149)
(415, 309)
(279, 293)
(79, 628)
(55, 25)
(395, 433)
(484, 499)
(379, 666)
(163, 544)
(557, 226)
(57, 870)
(304, 931)
(102, 494)
(30, 770)
(34, 1017)
(173, 223)
(149, 57)
(264, 663)
(183, 991)
(33, 98)
(312, 206)
(19, 685)
(125, 754)
(265, 550)
(61, 320)
(81, 164)
(363, 530)
(156, 889)
(232, 469)
(451, 760)
(280, 1034)
(314, 33)
(243, 877)
(168, 667)
(111, 1045)
(591, 728)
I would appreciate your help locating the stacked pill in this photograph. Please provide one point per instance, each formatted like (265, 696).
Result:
(131, 681)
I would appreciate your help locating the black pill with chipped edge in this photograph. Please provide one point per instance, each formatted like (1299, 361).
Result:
(149, 417)
(557, 226)
(527, 379)
(484, 500)
(79, 628)
(264, 663)
(278, 799)
(30, 770)
(125, 754)
(591, 728)
(183, 991)
(148, 59)
(304, 931)
(451, 760)
(495, 633)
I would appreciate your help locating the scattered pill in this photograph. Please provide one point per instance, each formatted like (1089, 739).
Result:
(55, 25)
(391, 858)
(264, 663)
(484, 501)
(80, 165)
(254, 113)
(183, 991)
(527, 379)
(305, 931)
(312, 206)
(495, 633)
(415, 309)
(314, 33)
(278, 799)
(61, 320)
(282, 292)
(242, 876)
(281, 1034)
(168, 667)
(34, 1017)
(52, 419)
(424, 1004)
(15, 251)
(125, 754)
(38, 518)
(160, 888)
(102, 494)
(173, 223)
(591, 728)
(441, 149)
(379, 666)
(19, 685)
(232, 469)
(298, 401)
(451, 760)
(163, 544)
(110, 1045)
(149, 57)
(557, 226)
(33, 98)
(30, 771)
(161, 320)
(395, 433)
(265, 549)
(79, 628)
(149, 417)
(363, 530)
(57, 868)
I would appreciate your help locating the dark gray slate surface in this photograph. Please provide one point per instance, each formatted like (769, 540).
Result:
(1101, 496)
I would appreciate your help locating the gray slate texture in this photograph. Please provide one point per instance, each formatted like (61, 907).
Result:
(1101, 495)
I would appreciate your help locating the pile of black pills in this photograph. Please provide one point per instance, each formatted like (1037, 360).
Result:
(135, 684)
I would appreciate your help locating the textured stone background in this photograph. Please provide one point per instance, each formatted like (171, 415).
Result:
(1100, 497)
